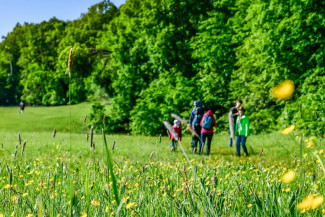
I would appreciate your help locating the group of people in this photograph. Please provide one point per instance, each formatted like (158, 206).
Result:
(201, 126)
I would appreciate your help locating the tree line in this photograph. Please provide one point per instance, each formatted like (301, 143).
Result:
(154, 57)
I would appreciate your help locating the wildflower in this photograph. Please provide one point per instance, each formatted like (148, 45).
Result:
(95, 203)
(288, 130)
(309, 145)
(29, 215)
(321, 151)
(311, 202)
(305, 155)
(7, 186)
(288, 177)
(125, 199)
(249, 205)
(83, 214)
(284, 90)
(286, 190)
(130, 205)
(1, 215)
(25, 194)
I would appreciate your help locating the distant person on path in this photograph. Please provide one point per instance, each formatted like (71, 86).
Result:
(232, 116)
(207, 124)
(242, 130)
(194, 122)
(22, 107)
(178, 129)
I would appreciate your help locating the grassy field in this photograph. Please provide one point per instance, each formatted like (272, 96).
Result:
(48, 179)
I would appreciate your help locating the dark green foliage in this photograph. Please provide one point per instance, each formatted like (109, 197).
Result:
(155, 57)
(96, 116)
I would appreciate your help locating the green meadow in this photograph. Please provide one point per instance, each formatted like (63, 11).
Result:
(46, 178)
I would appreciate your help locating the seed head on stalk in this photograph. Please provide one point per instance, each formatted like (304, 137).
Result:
(70, 62)
(177, 117)
(188, 126)
(104, 120)
(16, 148)
(171, 130)
(19, 138)
(54, 133)
(23, 148)
(185, 182)
(91, 136)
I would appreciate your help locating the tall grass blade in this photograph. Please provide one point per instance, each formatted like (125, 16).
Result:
(111, 170)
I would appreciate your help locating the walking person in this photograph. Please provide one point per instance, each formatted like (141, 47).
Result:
(178, 130)
(22, 107)
(194, 123)
(207, 124)
(232, 116)
(242, 130)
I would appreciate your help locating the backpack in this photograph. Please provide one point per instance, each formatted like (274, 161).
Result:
(207, 122)
(198, 114)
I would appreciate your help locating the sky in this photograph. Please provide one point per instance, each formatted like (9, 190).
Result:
(36, 11)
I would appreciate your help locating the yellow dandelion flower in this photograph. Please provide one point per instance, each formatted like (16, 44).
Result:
(125, 199)
(288, 177)
(309, 145)
(1, 215)
(25, 194)
(12, 214)
(29, 215)
(317, 202)
(288, 130)
(311, 202)
(321, 151)
(305, 155)
(284, 90)
(130, 205)
(7, 186)
(286, 190)
(95, 203)
(83, 214)
(249, 205)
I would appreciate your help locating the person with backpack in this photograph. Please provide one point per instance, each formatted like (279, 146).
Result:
(207, 124)
(194, 123)
(242, 130)
(178, 130)
(232, 117)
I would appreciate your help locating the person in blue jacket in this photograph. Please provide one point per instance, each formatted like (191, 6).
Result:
(194, 123)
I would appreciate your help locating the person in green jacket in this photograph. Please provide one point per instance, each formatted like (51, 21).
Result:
(242, 130)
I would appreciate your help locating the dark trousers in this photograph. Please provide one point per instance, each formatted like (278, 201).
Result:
(174, 142)
(195, 139)
(205, 136)
(242, 140)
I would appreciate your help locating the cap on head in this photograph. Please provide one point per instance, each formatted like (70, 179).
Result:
(177, 123)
